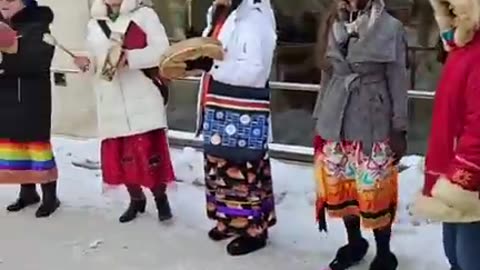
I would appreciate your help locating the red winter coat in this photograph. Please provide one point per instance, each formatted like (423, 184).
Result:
(452, 168)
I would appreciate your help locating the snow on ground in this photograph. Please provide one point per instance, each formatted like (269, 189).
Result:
(85, 234)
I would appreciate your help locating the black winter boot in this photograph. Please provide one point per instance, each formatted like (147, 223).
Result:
(50, 201)
(350, 255)
(28, 196)
(163, 206)
(135, 207)
(243, 245)
(386, 261)
(216, 235)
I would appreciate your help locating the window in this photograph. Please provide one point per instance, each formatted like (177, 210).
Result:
(182, 18)
(298, 23)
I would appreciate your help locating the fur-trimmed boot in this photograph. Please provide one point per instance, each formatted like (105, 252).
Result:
(386, 261)
(350, 255)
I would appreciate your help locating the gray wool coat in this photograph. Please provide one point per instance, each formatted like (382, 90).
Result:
(363, 97)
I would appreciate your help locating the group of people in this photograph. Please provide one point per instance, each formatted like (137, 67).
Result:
(361, 119)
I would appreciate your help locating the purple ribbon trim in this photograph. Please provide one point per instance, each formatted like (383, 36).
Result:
(211, 199)
(239, 212)
(268, 206)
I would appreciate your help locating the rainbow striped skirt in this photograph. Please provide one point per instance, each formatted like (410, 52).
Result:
(26, 162)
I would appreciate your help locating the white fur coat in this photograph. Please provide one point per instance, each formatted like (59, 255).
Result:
(130, 104)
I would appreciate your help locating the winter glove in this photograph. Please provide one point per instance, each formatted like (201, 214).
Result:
(398, 144)
(8, 36)
(191, 33)
(202, 63)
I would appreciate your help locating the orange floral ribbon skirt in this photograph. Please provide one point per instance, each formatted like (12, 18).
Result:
(349, 182)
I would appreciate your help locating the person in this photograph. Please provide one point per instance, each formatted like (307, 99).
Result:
(361, 126)
(237, 168)
(26, 155)
(452, 166)
(131, 109)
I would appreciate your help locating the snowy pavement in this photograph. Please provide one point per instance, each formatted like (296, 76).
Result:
(85, 234)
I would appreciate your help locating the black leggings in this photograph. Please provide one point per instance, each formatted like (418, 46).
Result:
(136, 191)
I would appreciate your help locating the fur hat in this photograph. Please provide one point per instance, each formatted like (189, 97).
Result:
(461, 15)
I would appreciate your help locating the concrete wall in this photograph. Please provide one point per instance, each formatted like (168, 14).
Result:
(74, 109)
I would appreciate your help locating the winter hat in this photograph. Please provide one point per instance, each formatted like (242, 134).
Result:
(29, 3)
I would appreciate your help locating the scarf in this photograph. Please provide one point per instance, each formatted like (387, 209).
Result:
(448, 37)
(112, 15)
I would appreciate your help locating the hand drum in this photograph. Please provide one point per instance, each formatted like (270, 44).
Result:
(172, 63)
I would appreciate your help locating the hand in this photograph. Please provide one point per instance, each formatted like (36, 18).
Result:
(12, 49)
(82, 62)
(8, 36)
(123, 62)
(202, 63)
(398, 145)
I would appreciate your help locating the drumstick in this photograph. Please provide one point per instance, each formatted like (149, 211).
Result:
(50, 39)
(189, 7)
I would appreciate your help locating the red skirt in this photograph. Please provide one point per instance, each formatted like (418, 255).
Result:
(142, 159)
